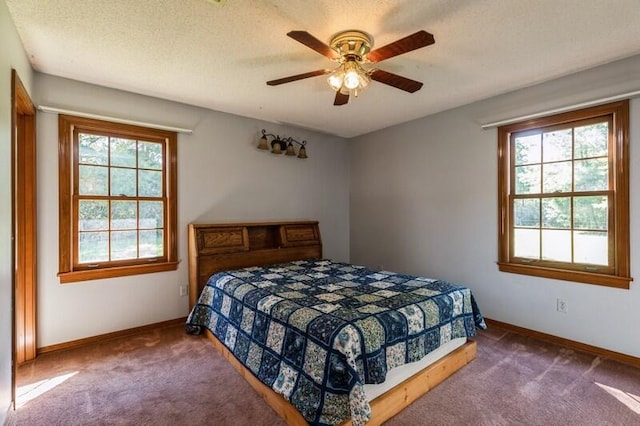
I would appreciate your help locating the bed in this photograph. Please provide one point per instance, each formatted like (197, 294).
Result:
(323, 342)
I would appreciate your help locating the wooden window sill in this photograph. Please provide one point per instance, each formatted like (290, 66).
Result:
(567, 275)
(119, 271)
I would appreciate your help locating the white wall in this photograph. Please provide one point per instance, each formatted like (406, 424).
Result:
(222, 176)
(424, 201)
(11, 56)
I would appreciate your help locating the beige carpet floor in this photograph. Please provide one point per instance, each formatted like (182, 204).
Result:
(166, 377)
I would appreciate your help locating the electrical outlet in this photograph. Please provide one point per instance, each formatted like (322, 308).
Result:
(562, 306)
(183, 290)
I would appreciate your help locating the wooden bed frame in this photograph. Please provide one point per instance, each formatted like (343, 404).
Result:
(219, 247)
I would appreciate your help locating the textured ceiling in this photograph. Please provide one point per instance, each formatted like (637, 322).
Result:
(219, 54)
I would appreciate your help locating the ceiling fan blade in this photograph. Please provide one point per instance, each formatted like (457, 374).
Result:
(297, 77)
(313, 43)
(341, 99)
(397, 81)
(404, 45)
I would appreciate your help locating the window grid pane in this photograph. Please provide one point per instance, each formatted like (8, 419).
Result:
(93, 149)
(94, 180)
(556, 213)
(528, 149)
(556, 245)
(591, 141)
(94, 247)
(526, 243)
(557, 177)
(122, 152)
(556, 145)
(528, 179)
(591, 174)
(591, 247)
(124, 245)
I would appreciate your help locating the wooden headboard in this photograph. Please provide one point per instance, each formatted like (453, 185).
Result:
(220, 247)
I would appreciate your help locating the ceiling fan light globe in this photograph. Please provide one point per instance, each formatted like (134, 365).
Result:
(335, 80)
(351, 79)
(364, 80)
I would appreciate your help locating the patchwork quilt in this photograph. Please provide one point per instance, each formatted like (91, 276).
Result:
(316, 331)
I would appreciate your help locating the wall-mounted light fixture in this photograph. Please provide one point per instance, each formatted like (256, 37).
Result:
(280, 145)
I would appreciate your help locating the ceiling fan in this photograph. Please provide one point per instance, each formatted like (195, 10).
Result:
(352, 49)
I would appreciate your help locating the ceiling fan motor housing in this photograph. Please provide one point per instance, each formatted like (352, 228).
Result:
(353, 43)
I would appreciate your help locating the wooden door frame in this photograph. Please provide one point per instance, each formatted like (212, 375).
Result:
(24, 220)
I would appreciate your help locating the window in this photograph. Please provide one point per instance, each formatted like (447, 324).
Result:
(563, 185)
(117, 199)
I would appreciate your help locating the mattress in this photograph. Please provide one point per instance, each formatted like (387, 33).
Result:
(399, 374)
